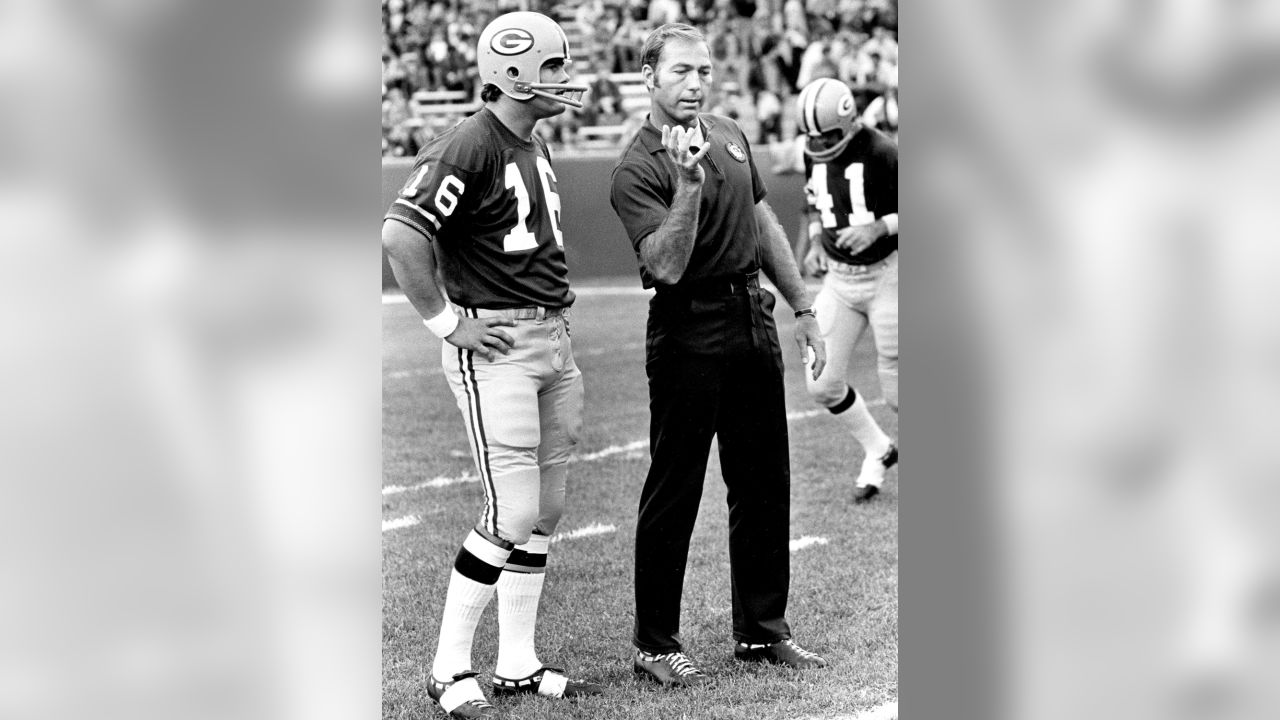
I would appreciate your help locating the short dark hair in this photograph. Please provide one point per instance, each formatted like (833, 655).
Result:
(489, 93)
(657, 41)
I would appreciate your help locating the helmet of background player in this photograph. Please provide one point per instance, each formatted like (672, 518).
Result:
(512, 50)
(825, 112)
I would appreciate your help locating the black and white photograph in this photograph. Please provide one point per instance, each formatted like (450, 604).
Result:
(439, 359)
(641, 460)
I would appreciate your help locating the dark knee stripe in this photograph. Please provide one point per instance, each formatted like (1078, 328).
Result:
(849, 399)
(524, 562)
(483, 532)
(472, 567)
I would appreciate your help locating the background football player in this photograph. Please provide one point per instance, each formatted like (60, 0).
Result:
(852, 189)
(480, 207)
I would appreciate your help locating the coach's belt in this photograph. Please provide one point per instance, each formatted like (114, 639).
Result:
(527, 313)
(720, 285)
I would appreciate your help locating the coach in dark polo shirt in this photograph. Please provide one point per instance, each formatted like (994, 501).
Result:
(688, 193)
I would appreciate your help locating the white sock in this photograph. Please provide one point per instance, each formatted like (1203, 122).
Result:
(471, 585)
(865, 429)
(519, 590)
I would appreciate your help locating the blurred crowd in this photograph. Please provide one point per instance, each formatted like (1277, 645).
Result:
(764, 51)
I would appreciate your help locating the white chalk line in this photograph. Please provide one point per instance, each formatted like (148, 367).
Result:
(807, 541)
(636, 448)
(433, 483)
(588, 531)
(401, 522)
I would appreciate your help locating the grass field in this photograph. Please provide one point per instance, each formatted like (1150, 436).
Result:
(844, 582)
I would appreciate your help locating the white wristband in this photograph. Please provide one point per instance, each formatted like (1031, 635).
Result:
(891, 222)
(442, 325)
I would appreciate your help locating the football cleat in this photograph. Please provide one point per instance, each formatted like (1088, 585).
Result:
(670, 669)
(549, 681)
(460, 698)
(872, 474)
(512, 50)
(864, 494)
(784, 652)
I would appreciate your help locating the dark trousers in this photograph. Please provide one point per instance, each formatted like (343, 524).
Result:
(738, 398)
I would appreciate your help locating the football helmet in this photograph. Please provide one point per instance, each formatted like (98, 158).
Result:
(825, 106)
(512, 50)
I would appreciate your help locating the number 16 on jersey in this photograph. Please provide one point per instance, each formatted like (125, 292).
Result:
(521, 238)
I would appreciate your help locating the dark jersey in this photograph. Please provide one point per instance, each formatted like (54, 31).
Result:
(859, 186)
(644, 187)
(488, 201)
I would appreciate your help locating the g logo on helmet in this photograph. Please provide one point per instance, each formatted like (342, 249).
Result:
(512, 41)
(846, 106)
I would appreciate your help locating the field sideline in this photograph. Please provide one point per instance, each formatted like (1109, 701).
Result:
(844, 584)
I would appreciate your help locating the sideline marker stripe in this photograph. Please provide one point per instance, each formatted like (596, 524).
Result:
(807, 541)
(401, 522)
(588, 531)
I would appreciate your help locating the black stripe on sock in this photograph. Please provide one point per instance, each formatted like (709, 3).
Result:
(849, 399)
(476, 569)
(533, 560)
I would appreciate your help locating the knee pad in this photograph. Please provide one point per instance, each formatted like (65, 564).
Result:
(511, 507)
(888, 367)
(552, 497)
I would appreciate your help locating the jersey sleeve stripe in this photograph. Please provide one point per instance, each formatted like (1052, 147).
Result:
(424, 213)
(413, 224)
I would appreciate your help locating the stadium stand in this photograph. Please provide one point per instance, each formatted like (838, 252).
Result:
(764, 50)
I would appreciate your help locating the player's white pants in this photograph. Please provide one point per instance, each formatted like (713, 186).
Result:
(523, 414)
(853, 297)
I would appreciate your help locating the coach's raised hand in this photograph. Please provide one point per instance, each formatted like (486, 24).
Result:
(482, 336)
(677, 142)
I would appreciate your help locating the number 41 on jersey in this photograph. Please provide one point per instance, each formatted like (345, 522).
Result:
(824, 202)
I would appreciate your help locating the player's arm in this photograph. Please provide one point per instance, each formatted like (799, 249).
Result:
(857, 238)
(667, 250)
(413, 261)
(780, 266)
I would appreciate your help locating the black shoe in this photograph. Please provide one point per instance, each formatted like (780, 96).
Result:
(865, 494)
(668, 668)
(475, 706)
(549, 681)
(784, 652)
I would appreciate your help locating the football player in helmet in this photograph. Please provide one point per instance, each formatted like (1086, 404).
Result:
(480, 206)
(852, 189)
(512, 51)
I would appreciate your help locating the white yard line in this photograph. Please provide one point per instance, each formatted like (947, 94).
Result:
(434, 483)
(402, 522)
(637, 446)
(588, 531)
(807, 541)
